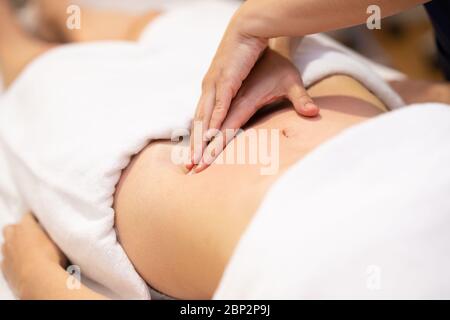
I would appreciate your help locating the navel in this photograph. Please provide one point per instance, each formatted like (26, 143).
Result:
(288, 132)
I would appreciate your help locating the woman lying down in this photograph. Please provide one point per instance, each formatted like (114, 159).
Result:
(87, 144)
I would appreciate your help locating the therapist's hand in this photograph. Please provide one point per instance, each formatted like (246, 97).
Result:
(234, 59)
(233, 62)
(273, 78)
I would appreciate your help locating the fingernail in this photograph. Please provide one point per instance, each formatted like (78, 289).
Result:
(199, 168)
(310, 106)
(189, 166)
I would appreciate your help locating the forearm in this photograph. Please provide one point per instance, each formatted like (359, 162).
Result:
(274, 18)
(48, 281)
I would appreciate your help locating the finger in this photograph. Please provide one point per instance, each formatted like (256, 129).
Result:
(241, 111)
(191, 164)
(222, 105)
(302, 102)
(194, 134)
(215, 148)
(199, 127)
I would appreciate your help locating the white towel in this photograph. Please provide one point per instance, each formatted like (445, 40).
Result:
(73, 119)
(364, 216)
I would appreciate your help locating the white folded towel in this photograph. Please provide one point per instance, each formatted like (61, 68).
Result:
(73, 119)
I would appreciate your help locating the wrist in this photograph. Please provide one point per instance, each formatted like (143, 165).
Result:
(241, 45)
(247, 23)
(34, 278)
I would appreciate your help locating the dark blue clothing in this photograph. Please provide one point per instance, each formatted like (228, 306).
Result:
(439, 12)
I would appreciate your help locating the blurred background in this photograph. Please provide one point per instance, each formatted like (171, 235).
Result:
(405, 42)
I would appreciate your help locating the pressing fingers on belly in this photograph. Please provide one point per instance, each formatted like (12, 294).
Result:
(273, 79)
(199, 127)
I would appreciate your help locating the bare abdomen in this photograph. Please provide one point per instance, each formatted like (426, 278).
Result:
(180, 231)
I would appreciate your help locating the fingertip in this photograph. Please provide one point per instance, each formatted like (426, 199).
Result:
(202, 166)
(309, 110)
(191, 172)
(302, 102)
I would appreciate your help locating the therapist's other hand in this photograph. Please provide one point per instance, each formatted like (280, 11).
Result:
(273, 78)
(27, 248)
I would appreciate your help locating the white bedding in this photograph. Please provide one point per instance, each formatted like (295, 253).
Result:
(73, 119)
(364, 216)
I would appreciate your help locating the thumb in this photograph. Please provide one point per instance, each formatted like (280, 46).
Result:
(302, 102)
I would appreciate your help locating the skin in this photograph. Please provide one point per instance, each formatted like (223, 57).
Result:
(198, 229)
(28, 279)
(242, 45)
